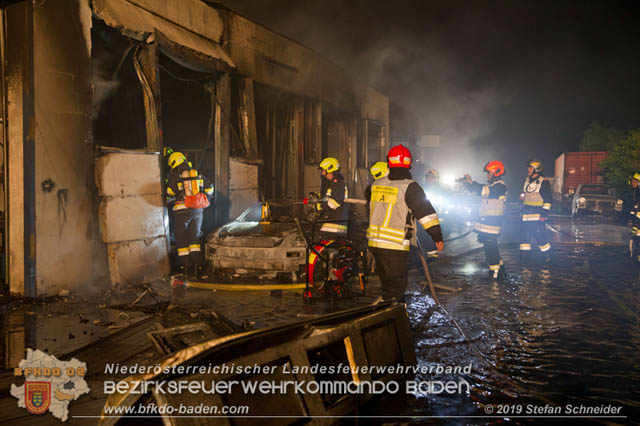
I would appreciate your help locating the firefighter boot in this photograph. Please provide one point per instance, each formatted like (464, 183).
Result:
(502, 274)
(191, 271)
(201, 272)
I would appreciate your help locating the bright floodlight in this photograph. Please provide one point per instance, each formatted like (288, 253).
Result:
(449, 180)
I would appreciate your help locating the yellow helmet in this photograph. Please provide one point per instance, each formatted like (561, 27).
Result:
(379, 169)
(537, 166)
(329, 164)
(635, 176)
(175, 159)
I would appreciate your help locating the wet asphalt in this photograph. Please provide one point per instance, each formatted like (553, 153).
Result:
(552, 338)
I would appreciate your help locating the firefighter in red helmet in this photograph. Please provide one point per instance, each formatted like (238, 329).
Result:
(493, 198)
(396, 202)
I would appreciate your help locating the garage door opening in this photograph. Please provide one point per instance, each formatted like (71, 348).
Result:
(188, 118)
(118, 108)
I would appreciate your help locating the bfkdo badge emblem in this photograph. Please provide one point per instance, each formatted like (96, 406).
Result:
(38, 396)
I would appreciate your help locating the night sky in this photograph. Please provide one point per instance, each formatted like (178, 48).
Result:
(506, 80)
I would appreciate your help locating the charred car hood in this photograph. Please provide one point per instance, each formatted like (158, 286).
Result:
(253, 234)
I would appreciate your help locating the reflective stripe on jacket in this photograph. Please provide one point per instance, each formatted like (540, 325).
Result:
(531, 190)
(332, 205)
(388, 215)
(494, 197)
(184, 181)
(537, 198)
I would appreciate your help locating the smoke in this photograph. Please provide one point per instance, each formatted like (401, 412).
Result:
(497, 80)
(403, 58)
(103, 84)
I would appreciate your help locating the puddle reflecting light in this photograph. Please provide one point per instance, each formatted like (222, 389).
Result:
(469, 268)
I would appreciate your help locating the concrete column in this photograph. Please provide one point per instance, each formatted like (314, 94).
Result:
(222, 143)
(20, 220)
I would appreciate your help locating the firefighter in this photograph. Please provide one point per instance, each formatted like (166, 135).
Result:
(191, 192)
(634, 241)
(395, 202)
(535, 210)
(331, 206)
(494, 197)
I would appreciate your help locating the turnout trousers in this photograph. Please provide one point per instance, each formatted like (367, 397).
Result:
(187, 226)
(491, 250)
(530, 231)
(634, 248)
(393, 269)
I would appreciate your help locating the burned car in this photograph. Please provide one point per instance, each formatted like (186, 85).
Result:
(263, 243)
(595, 198)
(266, 244)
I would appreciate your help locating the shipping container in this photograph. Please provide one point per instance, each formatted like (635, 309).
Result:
(575, 168)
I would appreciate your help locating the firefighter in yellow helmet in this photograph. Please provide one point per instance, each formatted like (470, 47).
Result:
(396, 201)
(331, 206)
(191, 192)
(535, 210)
(634, 241)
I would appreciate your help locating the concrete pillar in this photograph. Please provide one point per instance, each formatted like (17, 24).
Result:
(20, 220)
(222, 143)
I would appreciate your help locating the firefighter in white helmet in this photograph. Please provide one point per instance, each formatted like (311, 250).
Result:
(396, 201)
(536, 194)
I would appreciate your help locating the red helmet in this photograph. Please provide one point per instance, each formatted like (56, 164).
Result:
(496, 168)
(399, 156)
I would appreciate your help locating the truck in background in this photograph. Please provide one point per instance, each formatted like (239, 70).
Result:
(573, 169)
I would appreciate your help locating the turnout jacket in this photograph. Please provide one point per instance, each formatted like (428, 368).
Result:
(494, 197)
(395, 202)
(185, 180)
(537, 198)
(332, 206)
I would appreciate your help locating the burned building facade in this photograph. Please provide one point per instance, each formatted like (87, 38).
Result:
(92, 93)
